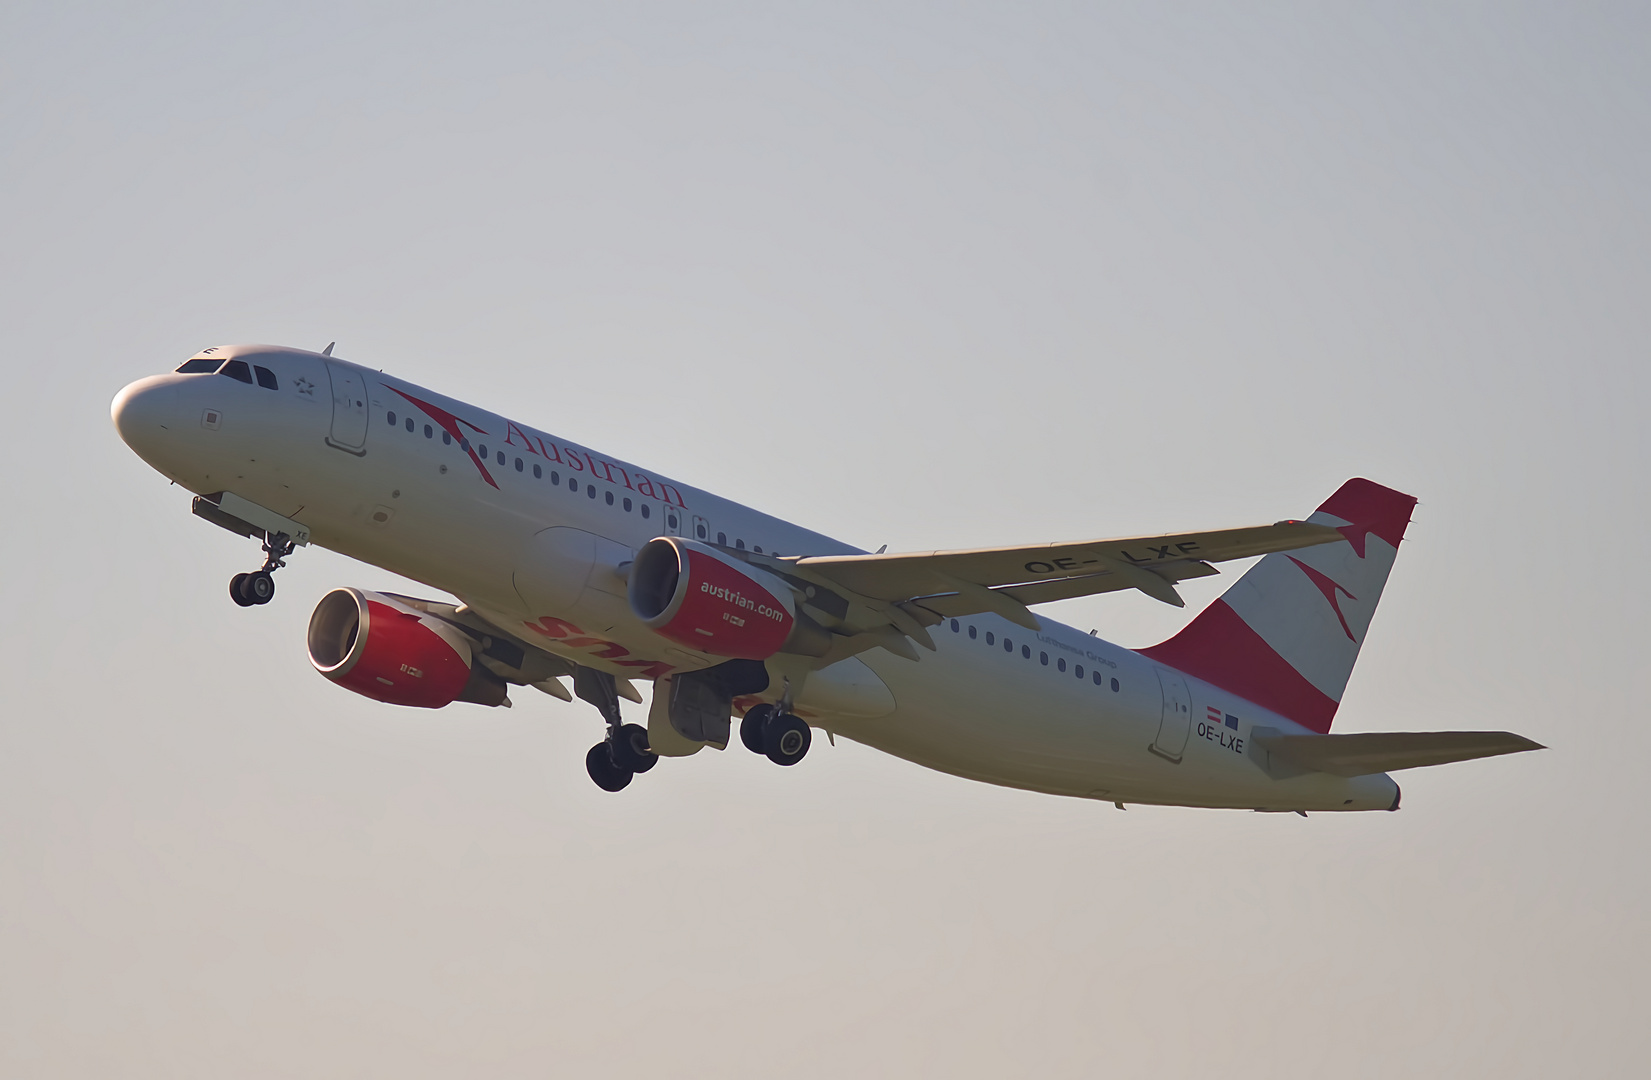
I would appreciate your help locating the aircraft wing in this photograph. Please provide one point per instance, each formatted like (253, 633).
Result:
(1149, 563)
(894, 596)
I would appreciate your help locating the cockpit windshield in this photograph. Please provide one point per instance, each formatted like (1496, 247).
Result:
(204, 365)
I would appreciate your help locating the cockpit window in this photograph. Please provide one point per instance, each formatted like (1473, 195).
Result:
(266, 377)
(204, 365)
(238, 370)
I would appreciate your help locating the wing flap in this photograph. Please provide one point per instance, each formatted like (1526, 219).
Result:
(1042, 592)
(1387, 751)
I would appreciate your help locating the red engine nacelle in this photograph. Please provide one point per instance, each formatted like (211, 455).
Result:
(698, 597)
(388, 651)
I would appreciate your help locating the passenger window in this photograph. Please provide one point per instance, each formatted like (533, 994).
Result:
(954, 626)
(573, 485)
(390, 418)
(266, 377)
(1078, 671)
(483, 449)
(1060, 664)
(447, 438)
(1096, 677)
(1043, 658)
(670, 519)
(238, 370)
(627, 506)
(758, 549)
(590, 490)
(518, 464)
(555, 477)
(700, 529)
(610, 498)
(538, 473)
(990, 640)
(464, 444)
(203, 366)
(1026, 652)
(646, 510)
(722, 538)
(1114, 686)
(409, 425)
(499, 457)
(740, 544)
(429, 432)
(971, 633)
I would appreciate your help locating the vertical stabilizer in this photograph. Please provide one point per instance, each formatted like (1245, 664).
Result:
(1287, 634)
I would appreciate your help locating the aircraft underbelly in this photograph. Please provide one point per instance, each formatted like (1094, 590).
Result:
(1001, 730)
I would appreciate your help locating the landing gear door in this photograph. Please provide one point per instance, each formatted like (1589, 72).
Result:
(349, 410)
(1173, 728)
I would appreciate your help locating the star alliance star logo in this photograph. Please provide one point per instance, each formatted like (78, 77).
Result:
(304, 386)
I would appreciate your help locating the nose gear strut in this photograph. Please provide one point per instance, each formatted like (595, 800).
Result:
(258, 587)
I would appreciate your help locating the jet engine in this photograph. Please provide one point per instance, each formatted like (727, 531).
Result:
(696, 596)
(388, 651)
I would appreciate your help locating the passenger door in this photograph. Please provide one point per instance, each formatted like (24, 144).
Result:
(349, 410)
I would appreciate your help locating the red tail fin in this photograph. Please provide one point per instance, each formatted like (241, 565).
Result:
(1287, 634)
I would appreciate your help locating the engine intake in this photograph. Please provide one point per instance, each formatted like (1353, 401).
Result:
(696, 596)
(385, 650)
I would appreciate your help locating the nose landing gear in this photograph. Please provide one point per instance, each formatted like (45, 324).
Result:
(258, 587)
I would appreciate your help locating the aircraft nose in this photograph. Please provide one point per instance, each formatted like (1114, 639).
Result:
(144, 412)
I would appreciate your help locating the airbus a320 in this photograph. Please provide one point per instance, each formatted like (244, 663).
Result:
(580, 574)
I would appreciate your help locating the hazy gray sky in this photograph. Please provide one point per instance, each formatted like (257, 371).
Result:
(923, 275)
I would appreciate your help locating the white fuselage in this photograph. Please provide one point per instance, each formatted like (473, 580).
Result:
(539, 554)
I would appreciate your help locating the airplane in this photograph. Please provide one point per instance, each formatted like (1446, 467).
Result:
(570, 566)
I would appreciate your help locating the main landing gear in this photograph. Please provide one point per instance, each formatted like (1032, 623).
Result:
(780, 735)
(258, 587)
(624, 752)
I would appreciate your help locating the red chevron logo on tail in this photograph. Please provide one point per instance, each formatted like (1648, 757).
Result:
(1329, 589)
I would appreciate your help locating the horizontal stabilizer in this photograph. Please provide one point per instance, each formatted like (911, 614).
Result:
(1386, 751)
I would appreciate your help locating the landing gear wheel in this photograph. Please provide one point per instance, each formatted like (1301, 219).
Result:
(259, 587)
(630, 749)
(786, 739)
(751, 728)
(608, 776)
